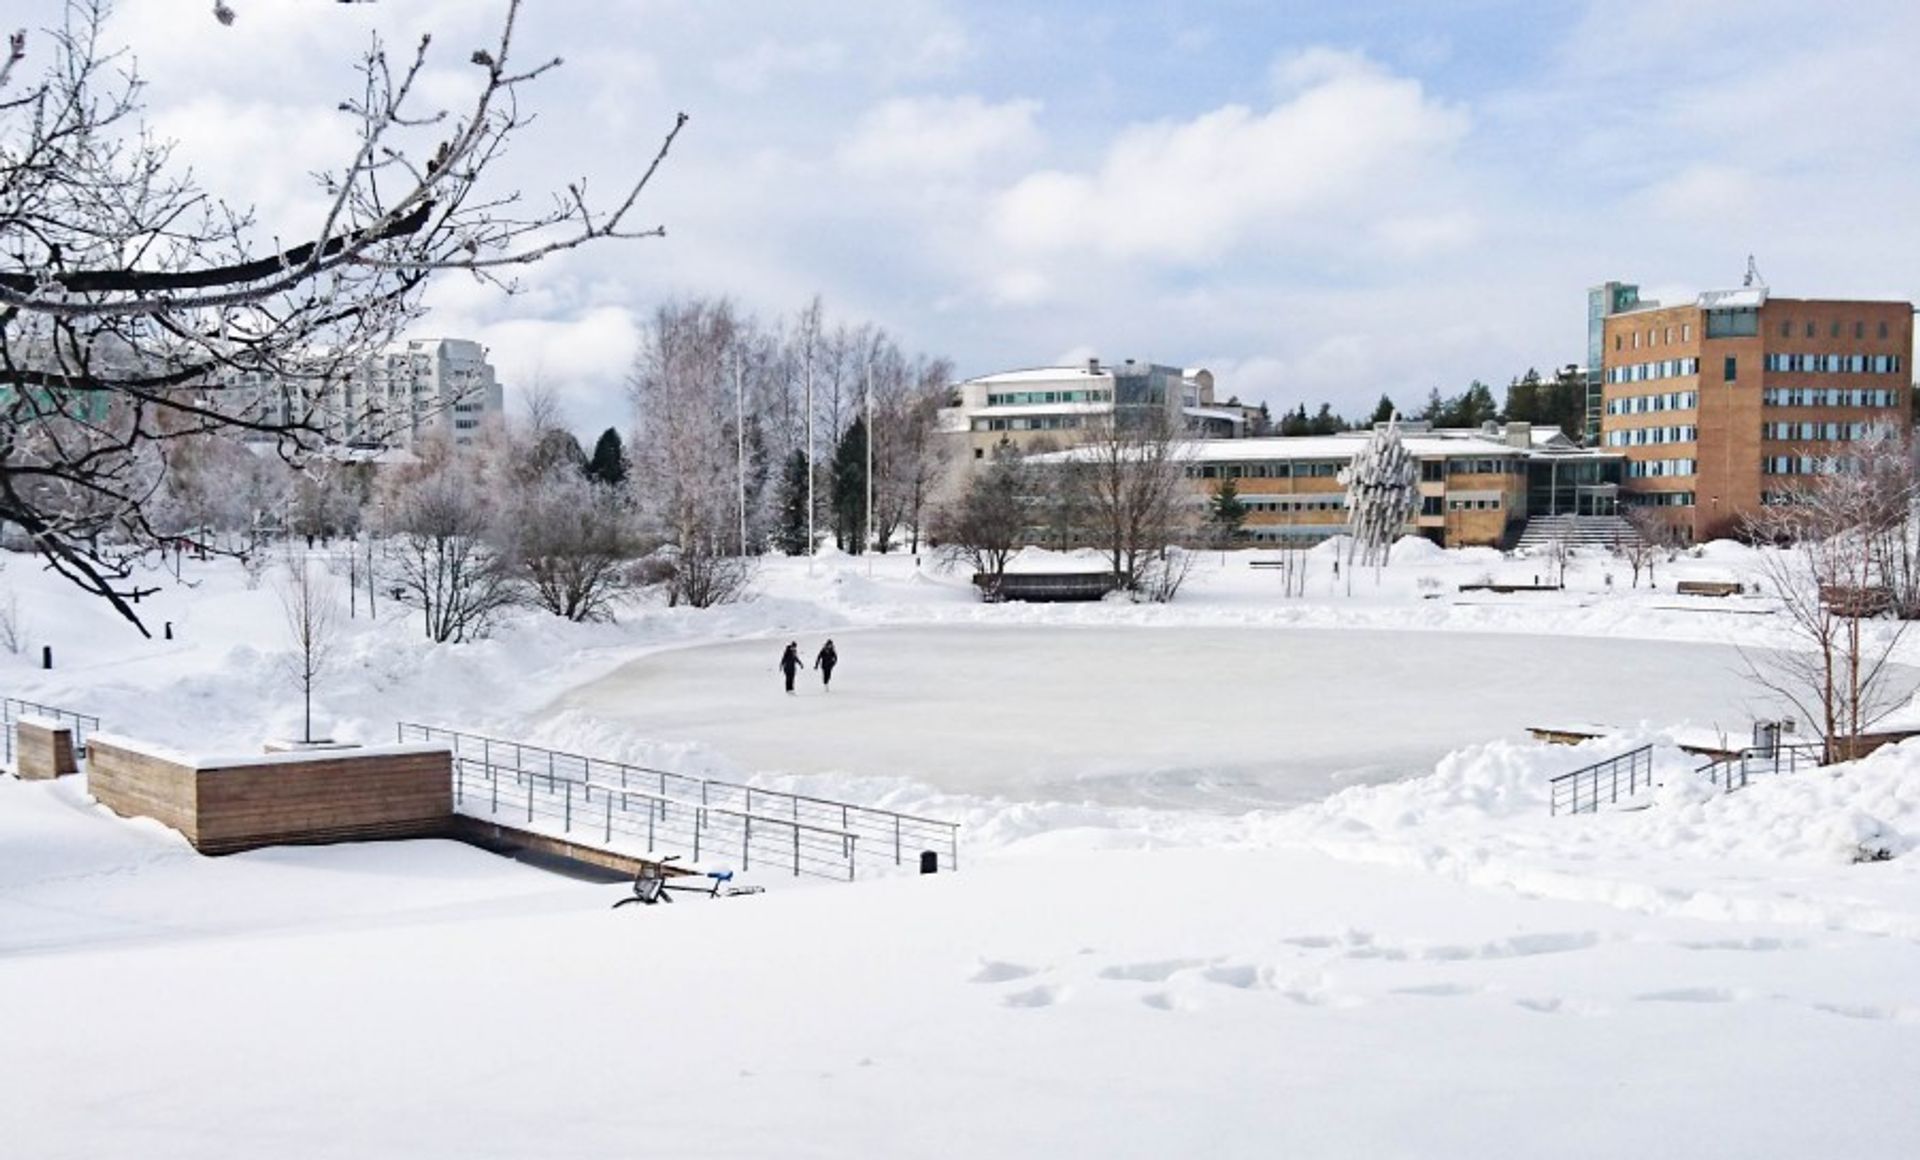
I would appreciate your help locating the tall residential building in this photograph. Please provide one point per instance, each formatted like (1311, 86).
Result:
(415, 388)
(1729, 402)
(1053, 405)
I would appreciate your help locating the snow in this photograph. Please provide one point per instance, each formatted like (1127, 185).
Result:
(1169, 938)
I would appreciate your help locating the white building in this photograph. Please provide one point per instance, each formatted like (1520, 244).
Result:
(1051, 405)
(415, 388)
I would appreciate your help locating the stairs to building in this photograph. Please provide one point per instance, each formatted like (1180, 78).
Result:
(1576, 531)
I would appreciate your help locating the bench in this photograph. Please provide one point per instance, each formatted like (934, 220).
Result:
(1270, 563)
(1708, 588)
(1510, 588)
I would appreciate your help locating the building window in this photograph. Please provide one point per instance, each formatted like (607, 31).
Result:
(1686, 332)
(1809, 330)
(1859, 330)
(1833, 331)
(1786, 330)
(1430, 505)
(1433, 470)
(1730, 371)
(1883, 330)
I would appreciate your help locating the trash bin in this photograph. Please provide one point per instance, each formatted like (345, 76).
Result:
(929, 861)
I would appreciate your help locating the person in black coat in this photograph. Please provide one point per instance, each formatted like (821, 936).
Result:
(790, 662)
(825, 662)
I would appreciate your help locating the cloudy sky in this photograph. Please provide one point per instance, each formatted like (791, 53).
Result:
(1317, 200)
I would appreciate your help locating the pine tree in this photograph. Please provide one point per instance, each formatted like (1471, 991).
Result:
(849, 488)
(791, 534)
(1227, 513)
(1383, 411)
(609, 462)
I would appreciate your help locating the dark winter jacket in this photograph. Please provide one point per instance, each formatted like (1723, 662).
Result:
(790, 660)
(827, 658)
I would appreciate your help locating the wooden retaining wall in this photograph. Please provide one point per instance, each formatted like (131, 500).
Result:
(227, 804)
(43, 748)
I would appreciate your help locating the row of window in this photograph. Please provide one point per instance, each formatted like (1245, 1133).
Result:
(1030, 398)
(1835, 364)
(1829, 397)
(1833, 432)
(1285, 470)
(1029, 423)
(1833, 328)
(1473, 505)
(1647, 372)
(1659, 468)
(1806, 465)
(1295, 503)
(1646, 404)
(1643, 436)
(1653, 335)
(1659, 499)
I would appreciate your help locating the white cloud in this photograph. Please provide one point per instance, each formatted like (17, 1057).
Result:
(756, 69)
(939, 136)
(1346, 142)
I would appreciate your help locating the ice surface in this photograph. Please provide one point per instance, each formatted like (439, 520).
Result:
(1200, 718)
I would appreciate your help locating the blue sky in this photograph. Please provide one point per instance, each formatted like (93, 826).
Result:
(1318, 201)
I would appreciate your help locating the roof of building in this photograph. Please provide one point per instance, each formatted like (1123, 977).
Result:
(1745, 298)
(1040, 375)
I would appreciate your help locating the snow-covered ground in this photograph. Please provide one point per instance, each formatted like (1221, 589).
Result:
(1428, 966)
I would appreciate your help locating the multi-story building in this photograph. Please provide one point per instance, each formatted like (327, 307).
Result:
(1477, 485)
(1736, 399)
(415, 388)
(1603, 302)
(1051, 406)
(411, 389)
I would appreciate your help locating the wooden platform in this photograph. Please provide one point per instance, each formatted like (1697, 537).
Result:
(227, 804)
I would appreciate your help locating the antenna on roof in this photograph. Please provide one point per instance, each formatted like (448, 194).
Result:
(1753, 277)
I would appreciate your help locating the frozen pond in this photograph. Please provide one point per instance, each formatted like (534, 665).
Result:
(1214, 719)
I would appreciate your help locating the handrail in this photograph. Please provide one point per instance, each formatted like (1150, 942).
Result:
(903, 831)
(1566, 789)
(13, 708)
(656, 823)
(1736, 770)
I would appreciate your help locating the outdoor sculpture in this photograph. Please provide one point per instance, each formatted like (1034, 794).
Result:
(1381, 494)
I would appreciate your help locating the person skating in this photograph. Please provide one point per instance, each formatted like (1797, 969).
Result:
(825, 662)
(790, 662)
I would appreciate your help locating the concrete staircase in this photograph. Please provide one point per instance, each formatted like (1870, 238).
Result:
(1577, 531)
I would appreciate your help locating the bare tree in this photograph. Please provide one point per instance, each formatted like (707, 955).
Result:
(1827, 573)
(686, 462)
(313, 618)
(442, 544)
(137, 308)
(1649, 538)
(575, 541)
(1131, 470)
(987, 523)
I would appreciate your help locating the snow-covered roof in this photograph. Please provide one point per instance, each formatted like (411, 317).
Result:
(1039, 375)
(1227, 416)
(1746, 297)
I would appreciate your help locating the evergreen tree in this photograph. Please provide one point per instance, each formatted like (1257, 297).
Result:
(1295, 422)
(849, 488)
(1325, 422)
(790, 536)
(1227, 512)
(609, 462)
(1383, 411)
(1263, 422)
(1436, 409)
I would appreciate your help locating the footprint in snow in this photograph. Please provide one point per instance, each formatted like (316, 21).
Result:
(997, 972)
(1691, 995)
(1042, 996)
(1154, 972)
(1437, 990)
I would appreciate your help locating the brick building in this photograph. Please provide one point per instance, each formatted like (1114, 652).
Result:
(1728, 402)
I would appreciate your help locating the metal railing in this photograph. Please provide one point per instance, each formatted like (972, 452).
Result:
(670, 812)
(13, 708)
(1734, 771)
(1581, 791)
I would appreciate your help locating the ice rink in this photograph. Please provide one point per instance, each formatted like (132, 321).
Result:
(1216, 719)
